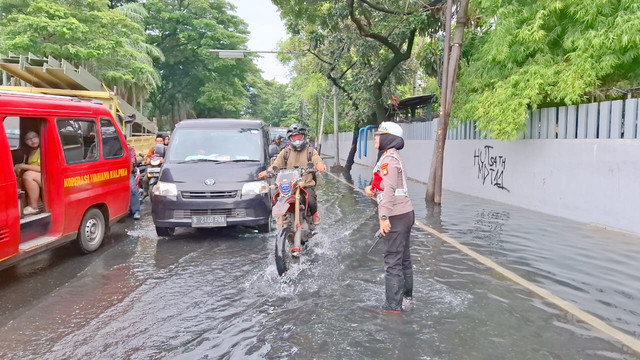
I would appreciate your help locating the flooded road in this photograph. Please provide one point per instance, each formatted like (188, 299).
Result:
(215, 294)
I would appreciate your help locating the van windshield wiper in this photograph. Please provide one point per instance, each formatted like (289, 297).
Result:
(198, 160)
(243, 160)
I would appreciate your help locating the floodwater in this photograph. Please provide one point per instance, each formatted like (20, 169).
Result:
(215, 294)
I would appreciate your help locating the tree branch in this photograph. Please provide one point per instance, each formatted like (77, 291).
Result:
(336, 81)
(319, 58)
(347, 70)
(386, 10)
(364, 32)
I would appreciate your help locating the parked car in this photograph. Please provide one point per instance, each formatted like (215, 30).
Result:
(210, 177)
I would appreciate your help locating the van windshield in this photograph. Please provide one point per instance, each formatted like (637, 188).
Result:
(193, 145)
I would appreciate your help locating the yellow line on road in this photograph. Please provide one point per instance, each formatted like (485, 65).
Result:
(616, 334)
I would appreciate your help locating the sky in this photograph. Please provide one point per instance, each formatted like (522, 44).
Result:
(266, 29)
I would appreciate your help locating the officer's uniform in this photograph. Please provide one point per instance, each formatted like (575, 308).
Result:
(390, 181)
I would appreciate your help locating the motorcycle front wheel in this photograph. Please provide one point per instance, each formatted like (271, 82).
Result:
(284, 243)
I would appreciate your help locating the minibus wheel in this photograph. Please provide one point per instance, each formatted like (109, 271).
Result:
(91, 231)
(165, 231)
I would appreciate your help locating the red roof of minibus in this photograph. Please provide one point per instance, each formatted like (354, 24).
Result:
(37, 104)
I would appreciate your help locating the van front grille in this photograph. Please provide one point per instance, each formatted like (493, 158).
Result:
(209, 194)
(188, 213)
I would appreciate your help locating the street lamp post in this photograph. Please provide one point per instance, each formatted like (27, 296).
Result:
(239, 54)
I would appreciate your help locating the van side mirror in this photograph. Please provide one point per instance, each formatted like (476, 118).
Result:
(273, 150)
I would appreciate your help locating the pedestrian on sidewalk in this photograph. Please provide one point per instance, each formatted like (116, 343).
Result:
(395, 213)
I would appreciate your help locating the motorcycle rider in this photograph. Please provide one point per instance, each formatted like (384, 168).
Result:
(299, 153)
(278, 141)
(152, 149)
(396, 216)
(276, 146)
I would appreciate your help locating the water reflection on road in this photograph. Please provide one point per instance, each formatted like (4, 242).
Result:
(216, 294)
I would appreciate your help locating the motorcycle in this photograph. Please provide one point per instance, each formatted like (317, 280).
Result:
(294, 226)
(153, 173)
(152, 170)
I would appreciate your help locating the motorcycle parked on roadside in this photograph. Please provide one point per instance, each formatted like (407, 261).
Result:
(294, 225)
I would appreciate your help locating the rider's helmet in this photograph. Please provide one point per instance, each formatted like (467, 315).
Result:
(159, 150)
(297, 135)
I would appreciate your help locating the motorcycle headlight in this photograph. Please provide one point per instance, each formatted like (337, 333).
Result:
(155, 161)
(165, 189)
(255, 188)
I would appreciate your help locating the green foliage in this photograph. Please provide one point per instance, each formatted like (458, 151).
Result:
(196, 82)
(110, 43)
(271, 102)
(538, 53)
(367, 71)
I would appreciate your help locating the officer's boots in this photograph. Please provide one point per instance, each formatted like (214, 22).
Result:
(394, 289)
(408, 288)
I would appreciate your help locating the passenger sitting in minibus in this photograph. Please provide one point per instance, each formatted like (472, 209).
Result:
(29, 173)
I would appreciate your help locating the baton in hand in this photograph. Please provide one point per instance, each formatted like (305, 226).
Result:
(378, 236)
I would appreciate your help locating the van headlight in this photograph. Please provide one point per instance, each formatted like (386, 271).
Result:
(165, 189)
(255, 188)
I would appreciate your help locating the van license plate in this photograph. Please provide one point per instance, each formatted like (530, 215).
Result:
(209, 220)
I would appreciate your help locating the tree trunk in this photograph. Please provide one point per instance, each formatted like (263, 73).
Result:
(438, 149)
(353, 149)
(381, 110)
(449, 74)
(456, 50)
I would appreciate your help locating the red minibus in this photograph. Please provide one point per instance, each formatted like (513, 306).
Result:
(84, 174)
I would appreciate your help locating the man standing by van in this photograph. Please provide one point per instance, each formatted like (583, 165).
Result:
(299, 153)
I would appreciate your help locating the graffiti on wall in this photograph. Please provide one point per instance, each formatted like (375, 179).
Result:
(490, 167)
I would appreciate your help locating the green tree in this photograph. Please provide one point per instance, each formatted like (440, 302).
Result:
(528, 54)
(359, 46)
(270, 102)
(109, 43)
(196, 82)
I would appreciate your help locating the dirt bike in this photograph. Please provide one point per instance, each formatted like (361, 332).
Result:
(294, 225)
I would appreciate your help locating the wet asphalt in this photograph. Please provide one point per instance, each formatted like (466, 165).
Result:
(215, 294)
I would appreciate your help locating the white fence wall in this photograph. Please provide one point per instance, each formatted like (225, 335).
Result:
(593, 179)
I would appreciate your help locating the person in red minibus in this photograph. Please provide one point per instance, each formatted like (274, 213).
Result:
(30, 173)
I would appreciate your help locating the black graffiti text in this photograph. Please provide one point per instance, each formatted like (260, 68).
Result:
(490, 167)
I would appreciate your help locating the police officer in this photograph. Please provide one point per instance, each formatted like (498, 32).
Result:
(396, 216)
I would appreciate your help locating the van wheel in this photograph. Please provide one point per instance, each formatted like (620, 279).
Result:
(91, 231)
(265, 228)
(165, 231)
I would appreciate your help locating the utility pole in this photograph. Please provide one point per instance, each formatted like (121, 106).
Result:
(335, 125)
(321, 131)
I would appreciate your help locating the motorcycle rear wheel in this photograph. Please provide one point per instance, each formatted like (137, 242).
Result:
(284, 243)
